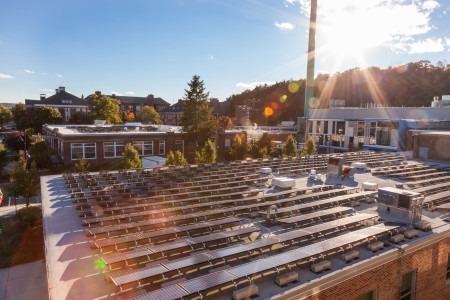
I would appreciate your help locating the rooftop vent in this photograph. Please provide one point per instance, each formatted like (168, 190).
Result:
(62, 89)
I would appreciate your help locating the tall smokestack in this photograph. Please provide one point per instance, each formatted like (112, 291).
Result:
(309, 91)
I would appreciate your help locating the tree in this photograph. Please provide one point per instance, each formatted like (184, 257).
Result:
(45, 115)
(238, 149)
(3, 157)
(40, 153)
(25, 182)
(309, 148)
(20, 118)
(80, 117)
(5, 115)
(148, 115)
(262, 147)
(102, 107)
(176, 159)
(224, 122)
(207, 154)
(130, 157)
(290, 146)
(197, 118)
(82, 166)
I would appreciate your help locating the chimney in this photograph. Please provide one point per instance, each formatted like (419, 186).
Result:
(150, 97)
(113, 95)
(56, 91)
(98, 93)
(43, 97)
(62, 89)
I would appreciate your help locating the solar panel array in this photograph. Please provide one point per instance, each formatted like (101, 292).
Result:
(155, 225)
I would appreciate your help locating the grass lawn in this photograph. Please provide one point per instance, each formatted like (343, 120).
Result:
(21, 238)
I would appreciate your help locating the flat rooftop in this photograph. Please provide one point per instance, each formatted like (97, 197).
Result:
(204, 229)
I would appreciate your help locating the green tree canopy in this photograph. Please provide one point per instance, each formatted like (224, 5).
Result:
(309, 148)
(290, 146)
(207, 154)
(20, 116)
(238, 149)
(25, 182)
(40, 153)
(262, 147)
(3, 157)
(148, 115)
(130, 157)
(45, 115)
(176, 159)
(80, 117)
(197, 118)
(5, 115)
(102, 107)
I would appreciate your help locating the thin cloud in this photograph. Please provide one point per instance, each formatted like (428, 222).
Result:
(130, 93)
(427, 46)
(47, 90)
(284, 26)
(29, 71)
(5, 76)
(116, 93)
(252, 85)
(211, 57)
(59, 75)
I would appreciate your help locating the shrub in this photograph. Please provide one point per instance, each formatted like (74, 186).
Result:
(29, 215)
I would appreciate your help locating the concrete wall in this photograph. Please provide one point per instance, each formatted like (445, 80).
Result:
(437, 146)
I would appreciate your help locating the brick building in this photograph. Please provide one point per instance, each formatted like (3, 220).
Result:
(67, 103)
(103, 144)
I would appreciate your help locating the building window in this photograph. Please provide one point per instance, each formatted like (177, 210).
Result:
(162, 147)
(144, 147)
(179, 145)
(112, 149)
(83, 151)
(318, 129)
(372, 295)
(407, 287)
(325, 126)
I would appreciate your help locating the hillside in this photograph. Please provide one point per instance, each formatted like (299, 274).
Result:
(414, 84)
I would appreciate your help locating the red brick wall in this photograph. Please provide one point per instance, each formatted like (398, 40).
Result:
(430, 264)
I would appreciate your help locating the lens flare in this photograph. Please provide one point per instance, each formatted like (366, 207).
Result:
(283, 98)
(100, 264)
(293, 87)
(274, 105)
(268, 111)
(313, 102)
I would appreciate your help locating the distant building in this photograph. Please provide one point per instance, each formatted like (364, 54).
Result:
(219, 108)
(374, 128)
(445, 102)
(172, 115)
(67, 103)
(135, 104)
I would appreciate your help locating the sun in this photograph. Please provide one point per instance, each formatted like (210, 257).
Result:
(350, 32)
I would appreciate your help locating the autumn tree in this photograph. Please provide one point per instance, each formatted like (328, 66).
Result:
(176, 159)
(5, 115)
(224, 122)
(130, 157)
(290, 146)
(102, 107)
(238, 148)
(20, 118)
(82, 166)
(197, 119)
(262, 147)
(45, 115)
(309, 148)
(25, 182)
(207, 154)
(148, 115)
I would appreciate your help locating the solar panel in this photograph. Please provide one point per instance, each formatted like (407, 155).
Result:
(313, 215)
(207, 281)
(136, 276)
(166, 293)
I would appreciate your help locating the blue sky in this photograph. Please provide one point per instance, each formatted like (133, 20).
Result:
(141, 47)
